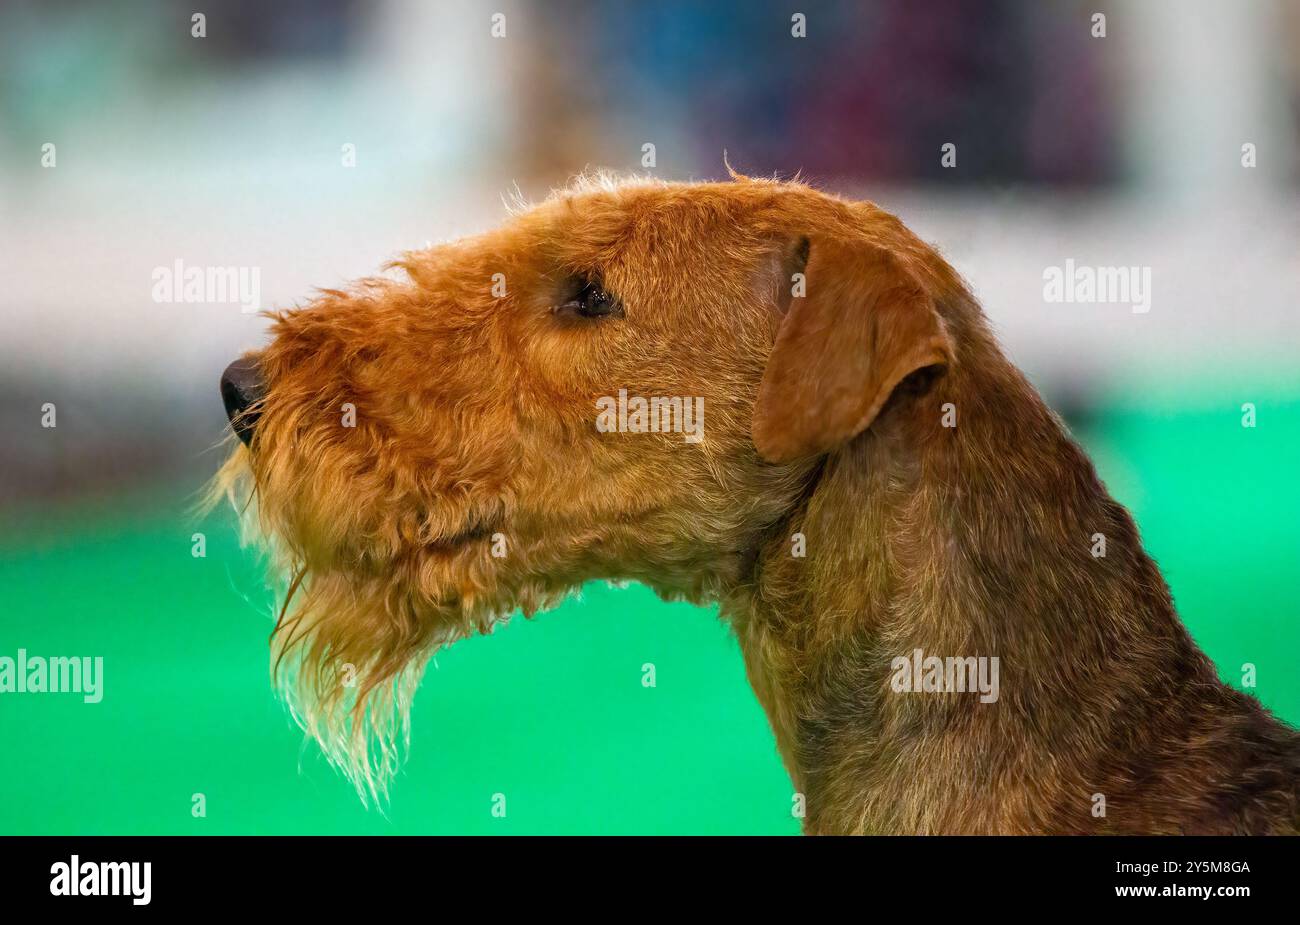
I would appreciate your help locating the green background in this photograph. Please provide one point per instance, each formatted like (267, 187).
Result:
(549, 712)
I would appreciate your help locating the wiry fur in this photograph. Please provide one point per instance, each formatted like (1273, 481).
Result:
(475, 415)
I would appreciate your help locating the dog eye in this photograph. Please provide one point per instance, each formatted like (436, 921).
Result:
(591, 301)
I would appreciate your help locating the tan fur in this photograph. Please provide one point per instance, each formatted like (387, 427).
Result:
(475, 416)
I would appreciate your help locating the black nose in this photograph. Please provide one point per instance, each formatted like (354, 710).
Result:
(241, 387)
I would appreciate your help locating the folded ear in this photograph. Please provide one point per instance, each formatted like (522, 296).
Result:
(862, 325)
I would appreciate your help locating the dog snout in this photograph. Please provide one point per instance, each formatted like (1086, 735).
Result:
(241, 390)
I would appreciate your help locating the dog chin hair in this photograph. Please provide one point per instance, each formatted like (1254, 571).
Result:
(349, 650)
(347, 662)
(348, 656)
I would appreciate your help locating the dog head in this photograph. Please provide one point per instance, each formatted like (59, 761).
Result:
(628, 381)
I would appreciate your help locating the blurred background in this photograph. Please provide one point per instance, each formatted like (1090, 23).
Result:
(314, 141)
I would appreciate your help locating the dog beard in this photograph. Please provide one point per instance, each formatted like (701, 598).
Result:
(350, 644)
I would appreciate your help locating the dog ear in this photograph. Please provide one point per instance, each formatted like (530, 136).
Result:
(861, 325)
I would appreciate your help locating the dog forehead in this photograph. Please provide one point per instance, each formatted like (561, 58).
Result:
(600, 220)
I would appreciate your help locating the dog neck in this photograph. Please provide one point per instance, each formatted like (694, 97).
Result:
(978, 540)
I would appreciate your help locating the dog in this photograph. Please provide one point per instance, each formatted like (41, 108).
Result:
(876, 482)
